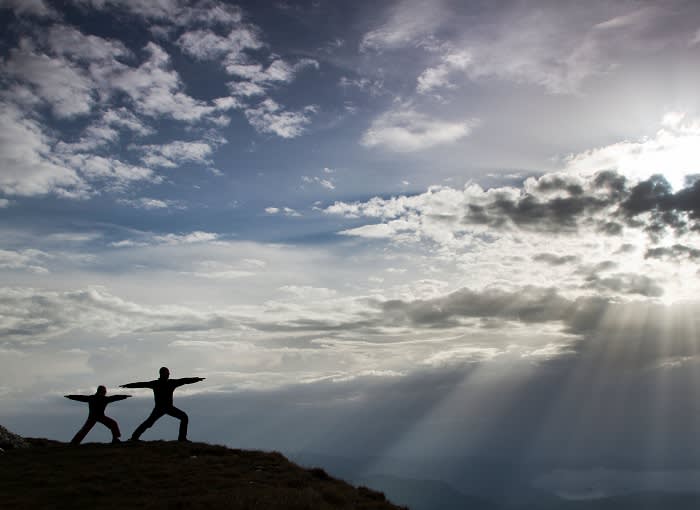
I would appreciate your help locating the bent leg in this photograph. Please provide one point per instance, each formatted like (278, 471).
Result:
(148, 423)
(113, 427)
(80, 435)
(184, 420)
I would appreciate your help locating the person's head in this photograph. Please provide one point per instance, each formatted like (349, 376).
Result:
(101, 391)
(164, 372)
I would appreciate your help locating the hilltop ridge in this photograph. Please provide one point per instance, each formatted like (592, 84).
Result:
(160, 474)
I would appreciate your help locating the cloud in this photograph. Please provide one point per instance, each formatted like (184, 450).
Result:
(555, 260)
(27, 260)
(324, 183)
(216, 270)
(106, 131)
(558, 48)
(29, 7)
(408, 22)
(145, 203)
(66, 87)
(147, 239)
(114, 173)
(405, 130)
(277, 71)
(435, 78)
(660, 208)
(552, 203)
(626, 283)
(530, 304)
(176, 153)
(673, 152)
(208, 45)
(46, 314)
(675, 252)
(156, 90)
(287, 211)
(27, 167)
(175, 12)
(69, 42)
(373, 86)
(572, 216)
(33, 165)
(269, 117)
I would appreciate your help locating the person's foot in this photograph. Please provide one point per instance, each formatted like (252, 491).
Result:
(184, 440)
(134, 440)
(116, 440)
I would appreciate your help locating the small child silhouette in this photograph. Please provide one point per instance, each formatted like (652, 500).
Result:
(96, 405)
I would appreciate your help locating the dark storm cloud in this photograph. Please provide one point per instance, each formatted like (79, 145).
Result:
(679, 211)
(610, 201)
(554, 203)
(556, 214)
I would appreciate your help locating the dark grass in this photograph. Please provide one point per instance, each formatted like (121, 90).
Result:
(159, 474)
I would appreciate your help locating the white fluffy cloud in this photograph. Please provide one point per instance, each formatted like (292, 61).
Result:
(321, 181)
(156, 89)
(70, 42)
(195, 237)
(286, 211)
(66, 87)
(674, 152)
(25, 158)
(270, 117)
(176, 153)
(145, 203)
(435, 78)
(403, 129)
(208, 45)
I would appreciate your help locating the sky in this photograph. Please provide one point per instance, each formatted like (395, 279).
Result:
(401, 228)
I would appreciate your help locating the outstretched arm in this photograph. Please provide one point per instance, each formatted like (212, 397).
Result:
(114, 398)
(145, 384)
(188, 380)
(79, 398)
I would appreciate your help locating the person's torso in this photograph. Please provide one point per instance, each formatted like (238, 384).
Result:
(163, 392)
(97, 405)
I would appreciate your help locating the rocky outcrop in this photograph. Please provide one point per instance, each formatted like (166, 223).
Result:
(9, 441)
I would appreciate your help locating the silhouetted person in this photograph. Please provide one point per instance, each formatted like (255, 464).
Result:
(96, 405)
(163, 388)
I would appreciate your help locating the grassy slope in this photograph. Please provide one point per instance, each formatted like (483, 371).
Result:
(154, 475)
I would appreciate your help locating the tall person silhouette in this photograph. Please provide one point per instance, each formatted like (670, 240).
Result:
(163, 388)
(96, 406)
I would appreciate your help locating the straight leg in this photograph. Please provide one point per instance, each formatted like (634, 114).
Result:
(148, 423)
(80, 435)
